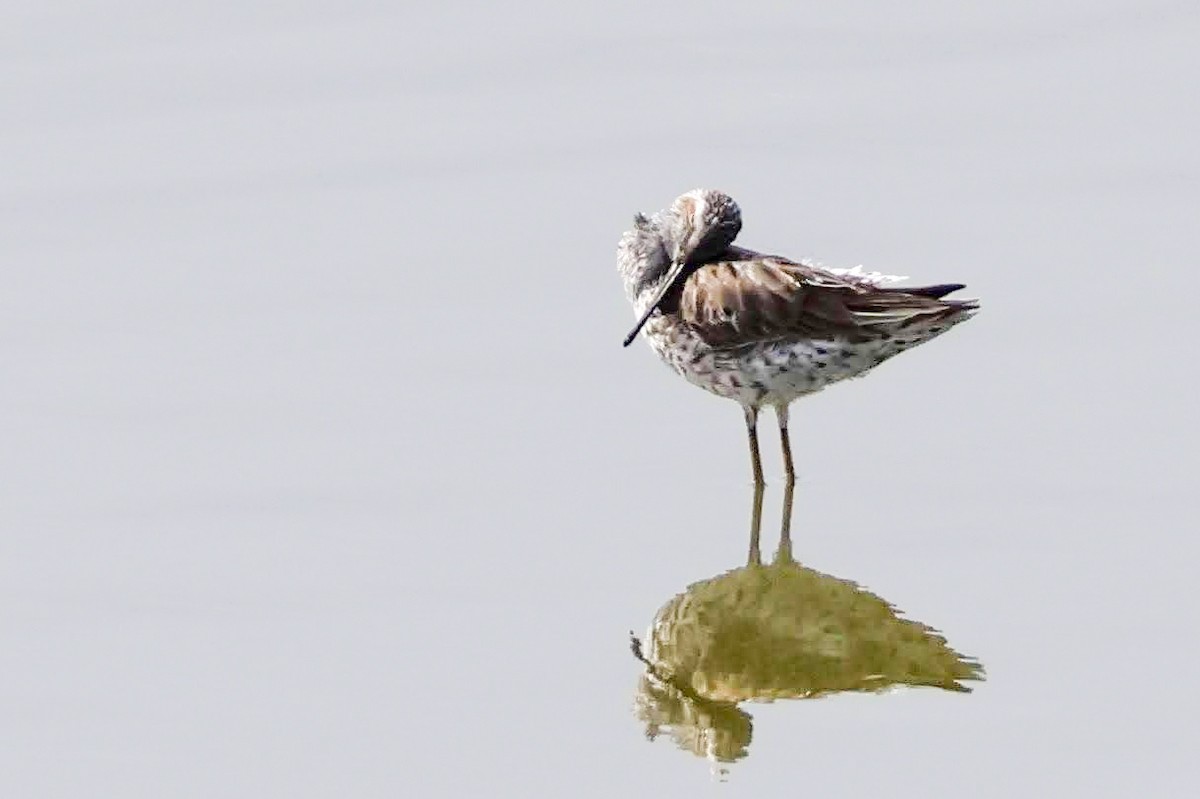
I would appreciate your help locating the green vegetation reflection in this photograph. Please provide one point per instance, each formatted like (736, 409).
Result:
(776, 631)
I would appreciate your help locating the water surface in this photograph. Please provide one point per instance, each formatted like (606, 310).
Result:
(324, 471)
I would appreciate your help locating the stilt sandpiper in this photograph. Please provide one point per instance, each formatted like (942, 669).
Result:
(762, 329)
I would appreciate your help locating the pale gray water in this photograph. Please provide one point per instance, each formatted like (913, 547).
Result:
(324, 472)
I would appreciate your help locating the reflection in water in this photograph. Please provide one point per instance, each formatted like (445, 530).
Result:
(777, 631)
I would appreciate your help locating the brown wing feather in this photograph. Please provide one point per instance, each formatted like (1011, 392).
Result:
(736, 302)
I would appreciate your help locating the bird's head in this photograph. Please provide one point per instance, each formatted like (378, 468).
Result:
(697, 227)
(700, 225)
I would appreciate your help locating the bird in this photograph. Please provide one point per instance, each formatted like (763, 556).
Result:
(760, 329)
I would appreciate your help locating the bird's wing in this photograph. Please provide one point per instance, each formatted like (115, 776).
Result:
(754, 298)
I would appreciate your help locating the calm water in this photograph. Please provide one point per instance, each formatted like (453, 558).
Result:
(324, 472)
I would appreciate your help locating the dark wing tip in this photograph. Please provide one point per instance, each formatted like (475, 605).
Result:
(933, 292)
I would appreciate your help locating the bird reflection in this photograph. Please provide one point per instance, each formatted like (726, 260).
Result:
(776, 631)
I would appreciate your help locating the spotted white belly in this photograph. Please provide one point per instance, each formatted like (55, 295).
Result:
(771, 373)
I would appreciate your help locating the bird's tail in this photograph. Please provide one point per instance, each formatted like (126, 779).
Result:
(933, 292)
(938, 292)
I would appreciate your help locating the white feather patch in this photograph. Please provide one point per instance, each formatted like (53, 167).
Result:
(874, 278)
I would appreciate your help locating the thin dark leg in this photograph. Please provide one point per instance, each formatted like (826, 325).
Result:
(752, 432)
(755, 558)
(784, 554)
(781, 411)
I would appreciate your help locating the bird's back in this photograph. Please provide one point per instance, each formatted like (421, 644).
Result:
(749, 298)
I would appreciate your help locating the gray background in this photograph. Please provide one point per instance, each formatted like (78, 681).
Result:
(324, 472)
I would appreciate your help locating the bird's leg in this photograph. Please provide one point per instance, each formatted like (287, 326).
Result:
(752, 431)
(784, 555)
(781, 411)
(755, 556)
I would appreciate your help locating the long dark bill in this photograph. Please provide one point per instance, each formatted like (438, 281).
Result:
(672, 276)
